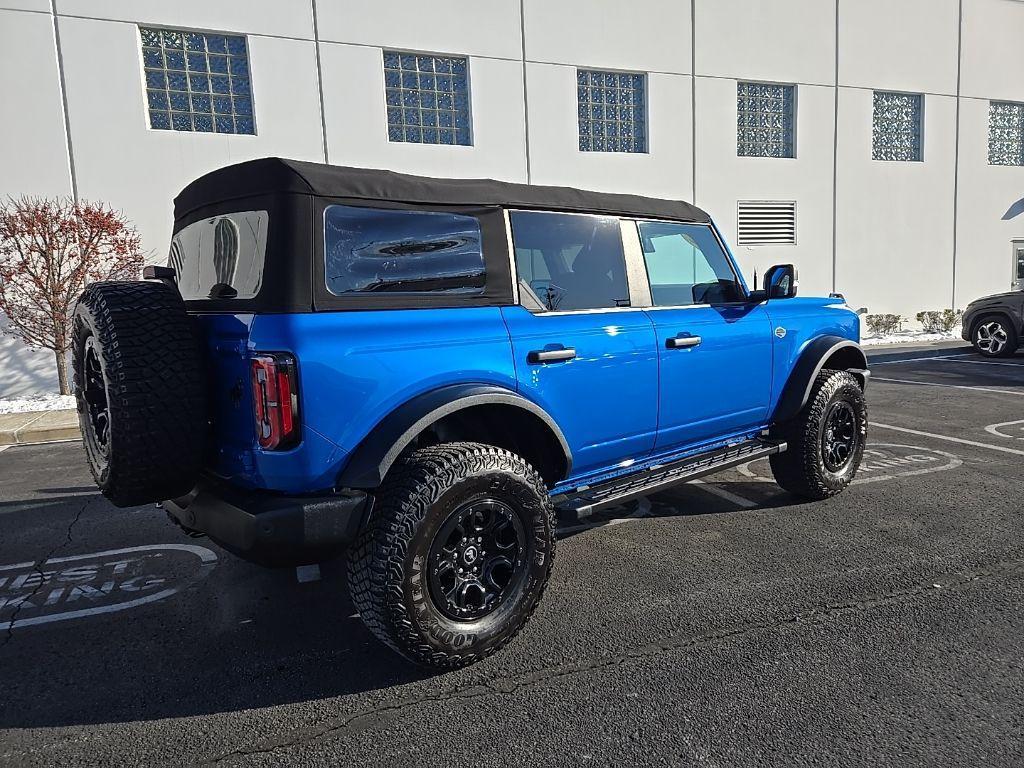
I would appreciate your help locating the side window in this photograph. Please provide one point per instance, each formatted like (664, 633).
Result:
(686, 265)
(569, 261)
(378, 250)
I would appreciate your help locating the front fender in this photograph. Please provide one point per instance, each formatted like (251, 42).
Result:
(845, 355)
(374, 456)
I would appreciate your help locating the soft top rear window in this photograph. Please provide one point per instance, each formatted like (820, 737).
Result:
(373, 250)
(221, 257)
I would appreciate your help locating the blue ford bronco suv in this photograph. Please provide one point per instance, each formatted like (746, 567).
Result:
(424, 371)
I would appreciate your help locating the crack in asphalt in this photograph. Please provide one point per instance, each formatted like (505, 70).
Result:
(38, 566)
(813, 616)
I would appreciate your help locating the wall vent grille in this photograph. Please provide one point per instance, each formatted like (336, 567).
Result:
(766, 222)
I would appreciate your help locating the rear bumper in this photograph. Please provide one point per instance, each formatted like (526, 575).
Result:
(271, 529)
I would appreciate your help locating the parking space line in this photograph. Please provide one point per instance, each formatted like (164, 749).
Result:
(949, 359)
(722, 493)
(4, 448)
(950, 386)
(949, 439)
(919, 359)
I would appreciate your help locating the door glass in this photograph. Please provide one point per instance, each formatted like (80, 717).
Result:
(569, 261)
(686, 265)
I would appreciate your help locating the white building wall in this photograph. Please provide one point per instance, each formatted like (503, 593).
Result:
(891, 246)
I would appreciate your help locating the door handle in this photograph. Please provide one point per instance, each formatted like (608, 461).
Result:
(682, 342)
(551, 355)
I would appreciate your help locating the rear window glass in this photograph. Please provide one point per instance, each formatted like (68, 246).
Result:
(370, 250)
(221, 257)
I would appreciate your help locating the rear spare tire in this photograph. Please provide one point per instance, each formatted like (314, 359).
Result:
(140, 391)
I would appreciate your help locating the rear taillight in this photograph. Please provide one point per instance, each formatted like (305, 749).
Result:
(276, 401)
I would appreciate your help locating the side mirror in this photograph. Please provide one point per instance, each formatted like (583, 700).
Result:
(780, 282)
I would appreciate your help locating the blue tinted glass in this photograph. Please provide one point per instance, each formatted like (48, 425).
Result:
(175, 59)
(609, 109)
(216, 44)
(381, 251)
(218, 64)
(432, 97)
(179, 64)
(569, 261)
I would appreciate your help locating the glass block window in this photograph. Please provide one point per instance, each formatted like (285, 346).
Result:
(1005, 133)
(765, 120)
(427, 98)
(197, 81)
(896, 126)
(612, 111)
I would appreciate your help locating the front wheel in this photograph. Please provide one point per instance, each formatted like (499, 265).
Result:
(826, 439)
(457, 554)
(993, 336)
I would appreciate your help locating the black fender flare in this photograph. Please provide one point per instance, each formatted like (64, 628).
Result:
(816, 354)
(372, 459)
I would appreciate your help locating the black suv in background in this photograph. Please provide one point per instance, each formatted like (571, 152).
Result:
(995, 324)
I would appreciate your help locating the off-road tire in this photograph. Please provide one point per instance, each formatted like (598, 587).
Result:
(387, 566)
(153, 380)
(1008, 349)
(801, 469)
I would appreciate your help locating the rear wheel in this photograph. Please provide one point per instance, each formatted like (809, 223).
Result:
(994, 336)
(826, 439)
(457, 554)
(139, 390)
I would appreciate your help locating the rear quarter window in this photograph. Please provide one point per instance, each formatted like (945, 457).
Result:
(372, 250)
(221, 257)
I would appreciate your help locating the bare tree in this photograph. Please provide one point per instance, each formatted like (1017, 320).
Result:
(49, 251)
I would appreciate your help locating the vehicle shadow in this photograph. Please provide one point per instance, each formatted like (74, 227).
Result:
(239, 637)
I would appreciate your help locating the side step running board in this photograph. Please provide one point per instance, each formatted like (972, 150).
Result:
(584, 500)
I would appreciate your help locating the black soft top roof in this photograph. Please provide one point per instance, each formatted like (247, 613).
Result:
(276, 175)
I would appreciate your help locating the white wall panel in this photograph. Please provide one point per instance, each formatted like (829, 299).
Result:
(288, 18)
(439, 26)
(25, 5)
(990, 210)
(555, 157)
(723, 179)
(33, 150)
(644, 35)
(895, 219)
(784, 40)
(357, 119)
(120, 160)
(993, 33)
(900, 45)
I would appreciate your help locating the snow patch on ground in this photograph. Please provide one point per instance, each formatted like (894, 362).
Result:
(38, 403)
(909, 337)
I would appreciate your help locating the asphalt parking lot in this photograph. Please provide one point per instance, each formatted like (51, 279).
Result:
(718, 623)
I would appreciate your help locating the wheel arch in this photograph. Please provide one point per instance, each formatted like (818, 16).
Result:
(479, 412)
(1015, 323)
(832, 352)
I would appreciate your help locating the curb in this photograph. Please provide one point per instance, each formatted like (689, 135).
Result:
(38, 427)
(909, 352)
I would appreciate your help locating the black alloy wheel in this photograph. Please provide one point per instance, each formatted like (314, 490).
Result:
(94, 393)
(839, 436)
(476, 559)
